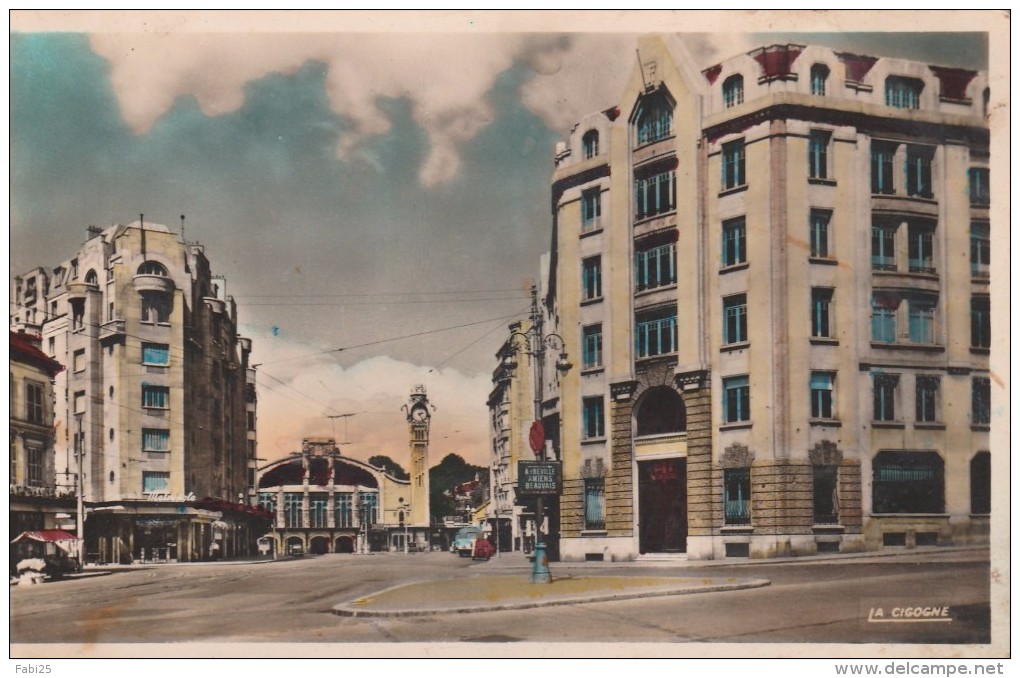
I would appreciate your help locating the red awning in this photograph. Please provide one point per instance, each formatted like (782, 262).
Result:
(46, 536)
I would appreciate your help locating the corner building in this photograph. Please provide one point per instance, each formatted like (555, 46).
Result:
(153, 401)
(775, 274)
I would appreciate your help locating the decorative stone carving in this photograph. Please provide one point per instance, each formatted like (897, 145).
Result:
(623, 390)
(593, 468)
(825, 453)
(689, 381)
(736, 456)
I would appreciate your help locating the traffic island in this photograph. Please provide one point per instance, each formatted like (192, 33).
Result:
(488, 594)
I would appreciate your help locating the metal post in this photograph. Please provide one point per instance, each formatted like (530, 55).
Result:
(540, 565)
(80, 491)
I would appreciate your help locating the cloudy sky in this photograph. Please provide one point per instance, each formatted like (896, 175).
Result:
(380, 187)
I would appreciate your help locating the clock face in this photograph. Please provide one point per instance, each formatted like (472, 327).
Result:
(420, 414)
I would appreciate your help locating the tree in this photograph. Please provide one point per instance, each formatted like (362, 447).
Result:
(451, 471)
(389, 466)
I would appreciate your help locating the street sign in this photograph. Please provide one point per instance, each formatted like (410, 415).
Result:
(539, 478)
(536, 437)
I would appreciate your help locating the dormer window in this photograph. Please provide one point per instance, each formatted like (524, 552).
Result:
(654, 118)
(590, 144)
(91, 278)
(733, 91)
(903, 92)
(819, 75)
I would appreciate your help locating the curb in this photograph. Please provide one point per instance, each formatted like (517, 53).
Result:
(345, 609)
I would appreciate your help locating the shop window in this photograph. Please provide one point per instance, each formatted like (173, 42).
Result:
(908, 482)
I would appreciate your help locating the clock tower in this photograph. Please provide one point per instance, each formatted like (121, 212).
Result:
(419, 415)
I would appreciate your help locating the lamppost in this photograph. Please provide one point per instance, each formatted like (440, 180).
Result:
(534, 343)
(405, 512)
(79, 453)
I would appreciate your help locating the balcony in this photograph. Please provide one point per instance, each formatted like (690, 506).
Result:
(910, 204)
(112, 328)
(153, 283)
(77, 291)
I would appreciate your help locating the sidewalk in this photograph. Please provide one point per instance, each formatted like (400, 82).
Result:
(515, 592)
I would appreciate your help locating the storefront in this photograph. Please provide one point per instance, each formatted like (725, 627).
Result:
(162, 531)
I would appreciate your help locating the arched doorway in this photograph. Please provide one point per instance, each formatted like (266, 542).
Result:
(344, 545)
(319, 546)
(662, 482)
(294, 541)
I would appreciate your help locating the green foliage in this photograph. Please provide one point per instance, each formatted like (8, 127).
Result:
(452, 470)
(390, 466)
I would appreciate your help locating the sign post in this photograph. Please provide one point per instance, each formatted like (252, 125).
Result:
(539, 479)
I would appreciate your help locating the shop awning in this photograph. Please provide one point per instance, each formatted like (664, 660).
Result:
(46, 536)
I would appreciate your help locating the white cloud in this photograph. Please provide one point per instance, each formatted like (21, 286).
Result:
(374, 389)
(445, 77)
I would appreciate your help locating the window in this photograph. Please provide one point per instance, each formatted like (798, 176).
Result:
(926, 398)
(883, 247)
(318, 509)
(819, 74)
(733, 164)
(733, 91)
(908, 482)
(919, 171)
(821, 395)
(921, 315)
(152, 268)
(591, 278)
(155, 308)
(14, 460)
(734, 245)
(654, 191)
(591, 209)
(590, 144)
(920, 249)
(883, 317)
(825, 486)
(34, 410)
(882, 154)
(156, 354)
(594, 423)
(34, 456)
(981, 401)
(155, 481)
(735, 319)
(981, 483)
(821, 317)
(903, 92)
(654, 120)
(656, 332)
(819, 226)
(594, 503)
(660, 411)
(884, 387)
(368, 508)
(655, 265)
(267, 501)
(155, 397)
(818, 154)
(156, 440)
(79, 360)
(343, 509)
(980, 193)
(736, 400)
(980, 249)
(293, 509)
(79, 402)
(980, 323)
(737, 495)
(591, 340)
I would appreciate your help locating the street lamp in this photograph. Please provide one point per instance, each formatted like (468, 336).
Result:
(405, 511)
(534, 343)
(79, 453)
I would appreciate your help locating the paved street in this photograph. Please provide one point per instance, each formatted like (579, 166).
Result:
(291, 601)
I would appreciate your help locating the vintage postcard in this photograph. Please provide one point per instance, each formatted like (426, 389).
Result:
(510, 334)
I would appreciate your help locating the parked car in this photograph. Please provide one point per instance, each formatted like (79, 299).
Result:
(483, 549)
(297, 551)
(464, 541)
